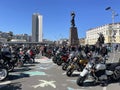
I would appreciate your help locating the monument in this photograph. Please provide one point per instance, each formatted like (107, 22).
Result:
(73, 39)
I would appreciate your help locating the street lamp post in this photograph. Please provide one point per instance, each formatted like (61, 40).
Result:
(113, 32)
(113, 13)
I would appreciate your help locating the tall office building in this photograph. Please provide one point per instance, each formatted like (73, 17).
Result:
(37, 28)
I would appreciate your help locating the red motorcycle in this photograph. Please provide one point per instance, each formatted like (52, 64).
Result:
(63, 59)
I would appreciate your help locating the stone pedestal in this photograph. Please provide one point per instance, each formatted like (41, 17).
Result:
(73, 39)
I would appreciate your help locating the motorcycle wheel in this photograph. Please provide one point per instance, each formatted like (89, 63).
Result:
(54, 59)
(116, 75)
(80, 80)
(10, 67)
(30, 61)
(59, 62)
(69, 72)
(3, 74)
(64, 67)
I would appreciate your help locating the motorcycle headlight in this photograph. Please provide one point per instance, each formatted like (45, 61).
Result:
(90, 66)
(74, 59)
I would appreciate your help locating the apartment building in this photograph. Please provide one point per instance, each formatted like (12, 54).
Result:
(106, 30)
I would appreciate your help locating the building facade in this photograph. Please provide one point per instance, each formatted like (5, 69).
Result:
(82, 41)
(10, 36)
(25, 37)
(37, 28)
(106, 30)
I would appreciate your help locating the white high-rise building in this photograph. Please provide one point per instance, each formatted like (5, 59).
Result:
(37, 28)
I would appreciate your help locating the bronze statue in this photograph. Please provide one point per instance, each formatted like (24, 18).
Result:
(72, 20)
(101, 38)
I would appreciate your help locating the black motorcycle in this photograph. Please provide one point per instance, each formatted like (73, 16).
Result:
(7, 61)
(3, 70)
(3, 73)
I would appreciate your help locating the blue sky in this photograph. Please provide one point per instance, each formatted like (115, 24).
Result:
(16, 16)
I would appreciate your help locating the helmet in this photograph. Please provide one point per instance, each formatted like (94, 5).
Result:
(20, 49)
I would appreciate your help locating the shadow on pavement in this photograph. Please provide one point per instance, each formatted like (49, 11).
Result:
(12, 86)
(36, 63)
(26, 67)
(19, 72)
(21, 75)
(21, 69)
(75, 75)
(92, 84)
(111, 82)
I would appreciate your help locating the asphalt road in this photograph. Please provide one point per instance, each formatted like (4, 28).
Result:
(45, 75)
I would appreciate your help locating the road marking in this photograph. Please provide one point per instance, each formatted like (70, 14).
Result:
(69, 88)
(45, 83)
(44, 66)
(34, 73)
(104, 88)
(43, 60)
(4, 83)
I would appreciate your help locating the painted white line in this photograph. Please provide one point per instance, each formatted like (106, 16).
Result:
(43, 60)
(70, 88)
(4, 83)
(45, 83)
(104, 88)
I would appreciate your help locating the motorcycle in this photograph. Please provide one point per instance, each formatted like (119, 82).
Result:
(63, 58)
(49, 53)
(77, 64)
(69, 60)
(3, 72)
(27, 58)
(17, 59)
(7, 61)
(20, 60)
(99, 73)
(56, 56)
(32, 55)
